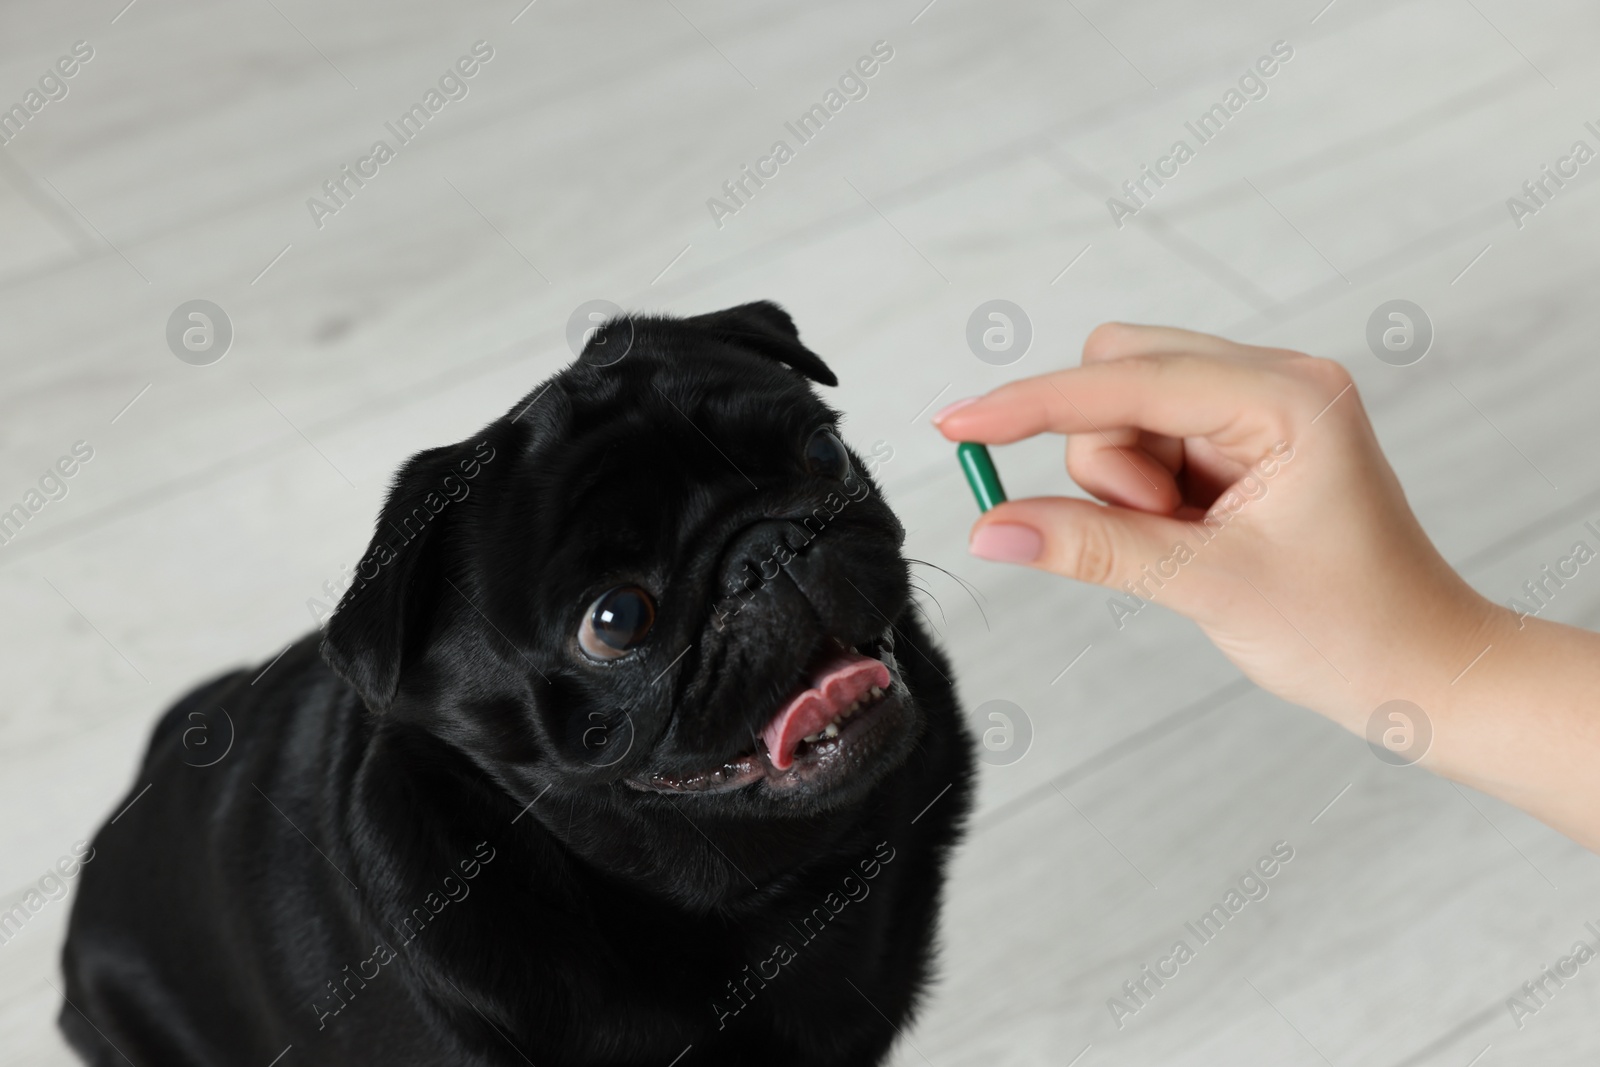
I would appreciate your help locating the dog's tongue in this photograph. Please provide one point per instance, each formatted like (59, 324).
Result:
(841, 681)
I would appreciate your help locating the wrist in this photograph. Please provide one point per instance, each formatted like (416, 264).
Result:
(1432, 658)
(1464, 680)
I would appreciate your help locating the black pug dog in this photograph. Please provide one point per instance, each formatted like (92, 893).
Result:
(624, 746)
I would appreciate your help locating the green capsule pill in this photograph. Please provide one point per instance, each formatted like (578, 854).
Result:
(981, 475)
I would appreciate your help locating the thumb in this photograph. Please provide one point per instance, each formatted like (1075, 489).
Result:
(1096, 543)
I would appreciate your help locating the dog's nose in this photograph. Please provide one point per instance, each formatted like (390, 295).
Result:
(757, 552)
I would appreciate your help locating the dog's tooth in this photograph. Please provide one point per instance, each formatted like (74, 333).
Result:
(876, 692)
(811, 739)
(832, 730)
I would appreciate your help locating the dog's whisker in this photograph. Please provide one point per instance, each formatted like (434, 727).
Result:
(925, 618)
(971, 590)
(925, 591)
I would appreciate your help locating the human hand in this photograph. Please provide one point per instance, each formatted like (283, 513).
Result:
(1243, 487)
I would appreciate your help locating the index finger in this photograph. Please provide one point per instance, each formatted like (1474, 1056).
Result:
(1242, 408)
(1120, 340)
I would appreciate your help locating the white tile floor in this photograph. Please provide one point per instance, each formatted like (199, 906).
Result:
(219, 498)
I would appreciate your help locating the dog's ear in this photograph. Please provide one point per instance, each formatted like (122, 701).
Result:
(767, 329)
(382, 620)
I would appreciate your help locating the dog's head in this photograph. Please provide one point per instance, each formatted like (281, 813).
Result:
(660, 580)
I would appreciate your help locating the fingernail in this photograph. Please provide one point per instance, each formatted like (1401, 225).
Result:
(1006, 542)
(948, 408)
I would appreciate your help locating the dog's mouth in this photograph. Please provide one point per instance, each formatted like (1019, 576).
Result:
(843, 716)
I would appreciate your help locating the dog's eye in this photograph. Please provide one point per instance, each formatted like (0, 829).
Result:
(826, 456)
(617, 622)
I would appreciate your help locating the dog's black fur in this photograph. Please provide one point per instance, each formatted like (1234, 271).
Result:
(434, 842)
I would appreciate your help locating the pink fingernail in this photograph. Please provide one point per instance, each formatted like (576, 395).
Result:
(947, 409)
(1006, 542)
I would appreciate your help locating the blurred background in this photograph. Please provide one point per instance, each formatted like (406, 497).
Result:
(236, 459)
